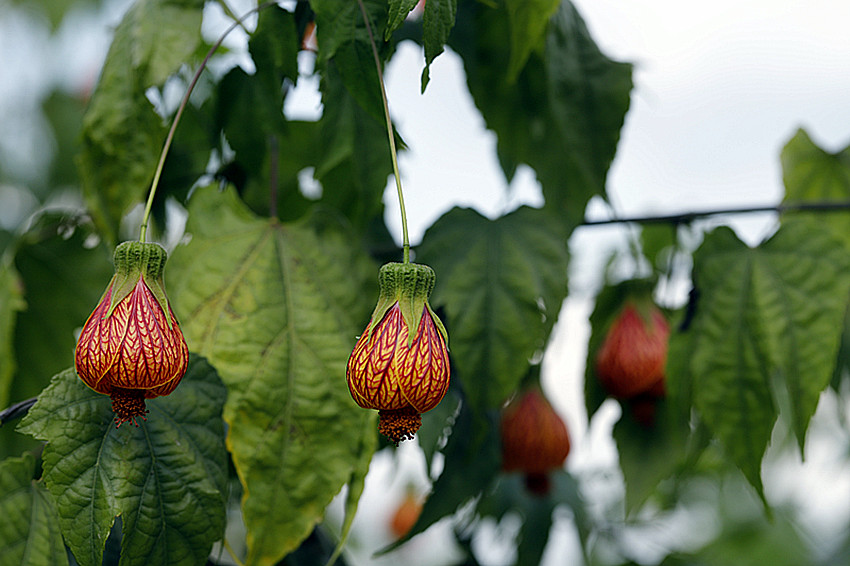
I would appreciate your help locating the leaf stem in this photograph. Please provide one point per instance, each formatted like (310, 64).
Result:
(158, 173)
(393, 152)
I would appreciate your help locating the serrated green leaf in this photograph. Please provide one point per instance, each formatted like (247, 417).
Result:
(63, 277)
(165, 478)
(437, 23)
(502, 283)
(29, 532)
(563, 114)
(528, 21)
(766, 317)
(397, 13)
(814, 175)
(276, 308)
(122, 135)
(11, 303)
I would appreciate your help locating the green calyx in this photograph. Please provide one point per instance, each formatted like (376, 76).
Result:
(138, 260)
(409, 285)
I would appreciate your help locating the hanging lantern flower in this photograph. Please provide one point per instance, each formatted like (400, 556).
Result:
(131, 347)
(633, 356)
(535, 440)
(400, 364)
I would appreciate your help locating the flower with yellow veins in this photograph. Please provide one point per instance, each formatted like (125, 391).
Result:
(400, 364)
(131, 347)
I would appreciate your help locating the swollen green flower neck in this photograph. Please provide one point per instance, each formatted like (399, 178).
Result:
(409, 285)
(134, 261)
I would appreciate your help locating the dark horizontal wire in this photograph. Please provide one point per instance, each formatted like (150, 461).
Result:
(686, 217)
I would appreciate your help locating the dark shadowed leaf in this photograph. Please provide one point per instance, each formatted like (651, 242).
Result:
(122, 135)
(166, 478)
(563, 114)
(652, 447)
(437, 23)
(11, 303)
(502, 283)
(397, 13)
(276, 308)
(29, 532)
(528, 21)
(343, 37)
(64, 270)
(473, 459)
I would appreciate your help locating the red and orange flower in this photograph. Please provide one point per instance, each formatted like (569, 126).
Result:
(131, 347)
(535, 440)
(400, 364)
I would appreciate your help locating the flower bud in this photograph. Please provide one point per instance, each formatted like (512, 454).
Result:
(131, 347)
(400, 364)
(535, 440)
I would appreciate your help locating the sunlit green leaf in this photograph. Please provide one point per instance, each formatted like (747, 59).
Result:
(563, 114)
(766, 317)
(814, 175)
(502, 283)
(165, 478)
(29, 531)
(276, 308)
(122, 135)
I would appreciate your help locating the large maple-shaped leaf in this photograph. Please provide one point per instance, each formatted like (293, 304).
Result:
(563, 112)
(165, 478)
(767, 326)
(29, 531)
(814, 175)
(276, 308)
(502, 283)
(122, 135)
